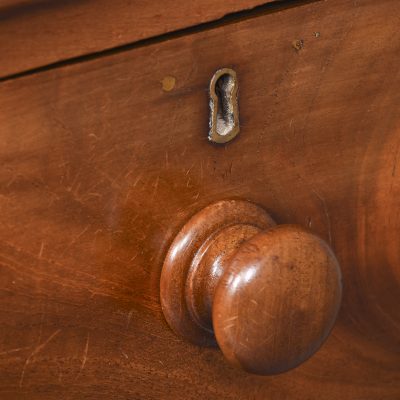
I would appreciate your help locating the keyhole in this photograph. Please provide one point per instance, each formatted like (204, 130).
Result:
(224, 112)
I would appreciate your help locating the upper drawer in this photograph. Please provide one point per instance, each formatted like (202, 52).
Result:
(35, 33)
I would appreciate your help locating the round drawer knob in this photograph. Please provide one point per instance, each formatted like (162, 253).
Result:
(267, 294)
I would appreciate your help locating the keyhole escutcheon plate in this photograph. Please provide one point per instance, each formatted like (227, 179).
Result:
(224, 110)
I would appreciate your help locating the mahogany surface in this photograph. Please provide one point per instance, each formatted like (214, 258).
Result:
(100, 167)
(34, 33)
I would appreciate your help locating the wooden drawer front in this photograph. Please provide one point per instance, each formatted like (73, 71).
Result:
(39, 32)
(101, 166)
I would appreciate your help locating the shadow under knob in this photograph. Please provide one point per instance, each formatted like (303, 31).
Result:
(268, 295)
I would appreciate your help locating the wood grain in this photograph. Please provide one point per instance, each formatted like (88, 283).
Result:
(100, 167)
(35, 33)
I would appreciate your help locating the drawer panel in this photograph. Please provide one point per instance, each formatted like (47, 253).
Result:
(101, 164)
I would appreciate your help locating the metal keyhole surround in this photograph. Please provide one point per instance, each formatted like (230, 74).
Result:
(224, 110)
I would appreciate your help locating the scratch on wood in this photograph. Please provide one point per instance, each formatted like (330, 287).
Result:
(201, 171)
(41, 250)
(70, 188)
(128, 321)
(324, 206)
(395, 161)
(125, 355)
(35, 352)
(166, 160)
(85, 352)
(134, 257)
(76, 238)
(41, 325)
(139, 177)
(189, 169)
(328, 219)
(11, 351)
(155, 186)
(267, 339)
(268, 314)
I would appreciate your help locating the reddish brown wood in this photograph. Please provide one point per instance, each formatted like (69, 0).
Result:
(273, 292)
(186, 275)
(39, 32)
(100, 167)
(277, 300)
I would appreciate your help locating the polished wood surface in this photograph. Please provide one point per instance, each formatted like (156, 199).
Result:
(187, 285)
(101, 167)
(34, 33)
(273, 291)
(277, 301)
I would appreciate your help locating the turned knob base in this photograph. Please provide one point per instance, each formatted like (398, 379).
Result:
(195, 261)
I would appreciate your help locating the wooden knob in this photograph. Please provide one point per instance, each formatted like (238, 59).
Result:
(268, 295)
